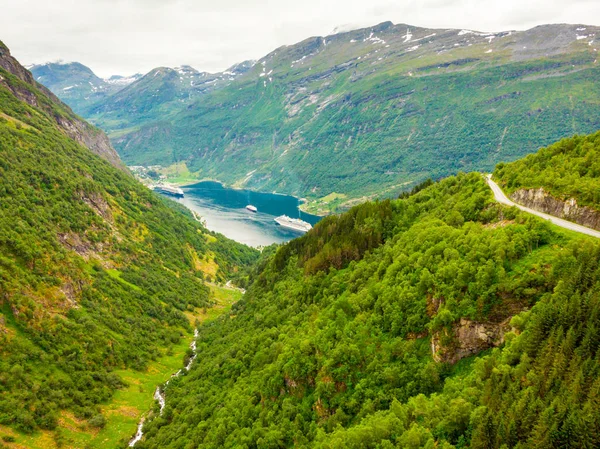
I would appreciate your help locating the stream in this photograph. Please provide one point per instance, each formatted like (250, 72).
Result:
(159, 394)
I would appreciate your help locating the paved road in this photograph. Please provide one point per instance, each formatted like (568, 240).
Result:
(502, 198)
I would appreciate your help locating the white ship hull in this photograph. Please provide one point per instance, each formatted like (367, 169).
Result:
(293, 224)
(169, 190)
(251, 208)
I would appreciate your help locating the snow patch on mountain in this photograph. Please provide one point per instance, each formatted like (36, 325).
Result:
(374, 39)
(117, 80)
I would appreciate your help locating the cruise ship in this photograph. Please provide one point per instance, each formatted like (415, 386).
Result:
(167, 189)
(293, 223)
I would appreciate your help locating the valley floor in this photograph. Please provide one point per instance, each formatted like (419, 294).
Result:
(129, 404)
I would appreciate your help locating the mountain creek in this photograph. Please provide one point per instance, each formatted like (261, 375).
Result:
(131, 405)
(225, 296)
(160, 393)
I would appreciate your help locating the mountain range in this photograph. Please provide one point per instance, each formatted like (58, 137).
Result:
(76, 84)
(368, 112)
(438, 319)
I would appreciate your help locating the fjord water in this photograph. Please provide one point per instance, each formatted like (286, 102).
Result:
(224, 210)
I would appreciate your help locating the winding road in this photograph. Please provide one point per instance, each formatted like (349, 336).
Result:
(503, 199)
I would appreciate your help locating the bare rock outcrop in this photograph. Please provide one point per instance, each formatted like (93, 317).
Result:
(467, 338)
(542, 201)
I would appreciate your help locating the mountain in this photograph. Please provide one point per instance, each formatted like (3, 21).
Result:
(97, 272)
(122, 81)
(158, 94)
(76, 84)
(438, 320)
(143, 98)
(372, 111)
(64, 119)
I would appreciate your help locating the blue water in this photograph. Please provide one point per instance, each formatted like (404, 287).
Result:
(224, 211)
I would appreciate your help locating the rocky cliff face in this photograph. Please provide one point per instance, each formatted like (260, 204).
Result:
(542, 201)
(467, 338)
(73, 126)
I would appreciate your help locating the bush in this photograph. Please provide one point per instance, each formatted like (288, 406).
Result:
(98, 421)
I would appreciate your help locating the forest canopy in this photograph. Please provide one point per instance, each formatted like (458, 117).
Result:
(96, 271)
(350, 337)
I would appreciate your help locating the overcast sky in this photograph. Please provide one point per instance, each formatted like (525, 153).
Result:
(128, 36)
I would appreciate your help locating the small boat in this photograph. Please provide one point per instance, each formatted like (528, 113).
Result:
(251, 208)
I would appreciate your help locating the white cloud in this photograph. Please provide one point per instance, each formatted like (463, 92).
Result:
(127, 36)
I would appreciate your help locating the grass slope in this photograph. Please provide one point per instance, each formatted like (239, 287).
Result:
(97, 272)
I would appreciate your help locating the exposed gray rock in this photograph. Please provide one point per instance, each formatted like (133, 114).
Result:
(542, 201)
(467, 338)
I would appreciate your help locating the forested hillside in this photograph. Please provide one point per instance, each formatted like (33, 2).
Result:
(439, 320)
(568, 169)
(96, 271)
(366, 112)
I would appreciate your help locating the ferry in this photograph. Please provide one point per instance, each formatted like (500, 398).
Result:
(251, 208)
(293, 223)
(167, 189)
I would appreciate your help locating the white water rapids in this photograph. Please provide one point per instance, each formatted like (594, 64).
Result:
(159, 394)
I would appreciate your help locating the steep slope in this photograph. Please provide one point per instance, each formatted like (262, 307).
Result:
(562, 180)
(76, 84)
(96, 271)
(36, 95)
(349, 336)
(380, 109)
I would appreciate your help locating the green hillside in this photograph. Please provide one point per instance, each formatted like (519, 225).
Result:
(371, 111)
(159, 94)
(568, 169)
(131, 101)
(440, 320)
(97, 273)
(76, 84)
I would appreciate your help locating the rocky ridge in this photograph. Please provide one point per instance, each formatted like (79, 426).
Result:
(73, 126)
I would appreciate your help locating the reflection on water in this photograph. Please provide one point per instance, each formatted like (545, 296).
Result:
(224, 211)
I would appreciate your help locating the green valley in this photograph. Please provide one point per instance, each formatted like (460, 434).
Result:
(366, 113)
(129, 403)
(441, 319)
(98, 275)
(425, 310)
